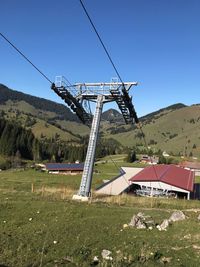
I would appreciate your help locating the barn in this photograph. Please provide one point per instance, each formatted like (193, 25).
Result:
(65, 168)
(163, 180)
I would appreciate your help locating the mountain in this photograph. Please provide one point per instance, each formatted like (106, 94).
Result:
(45, 118)
(174, 129)
(112, 115)
(39, 103)
(162, 111)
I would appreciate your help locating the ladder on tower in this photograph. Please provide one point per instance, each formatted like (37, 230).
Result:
(124, 103)
(121, 104)
(84, 191)
(73, 103)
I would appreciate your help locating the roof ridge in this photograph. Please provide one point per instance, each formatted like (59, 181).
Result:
(165, 171)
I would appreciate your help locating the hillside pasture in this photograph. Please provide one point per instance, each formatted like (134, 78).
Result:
(41, 226)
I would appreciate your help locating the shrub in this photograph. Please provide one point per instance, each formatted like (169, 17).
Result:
(131, 157)
(5, 164)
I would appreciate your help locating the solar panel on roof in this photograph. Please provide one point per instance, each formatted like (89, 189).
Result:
(64, 166)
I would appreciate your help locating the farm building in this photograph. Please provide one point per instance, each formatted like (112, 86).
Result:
(118, 184)
(149, 160)
(65, 168)
(163, 180)
(155, 180)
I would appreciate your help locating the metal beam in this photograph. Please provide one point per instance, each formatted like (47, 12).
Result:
(85, 186)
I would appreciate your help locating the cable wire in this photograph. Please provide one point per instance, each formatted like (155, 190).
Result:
(119, 76)
(111, 61)
(6, 39)
(101, 41)
(145, 143)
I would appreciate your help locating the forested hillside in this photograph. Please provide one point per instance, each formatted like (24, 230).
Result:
(18, 143)
(174, 129)
(14, 138)
(39, 103)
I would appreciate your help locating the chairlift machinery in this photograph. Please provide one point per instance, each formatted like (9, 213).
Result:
(76, 97)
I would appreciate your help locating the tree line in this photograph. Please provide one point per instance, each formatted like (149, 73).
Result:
(14, 138)
(16, 141)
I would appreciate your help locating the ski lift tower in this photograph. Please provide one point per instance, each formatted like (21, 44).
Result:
(77, 97)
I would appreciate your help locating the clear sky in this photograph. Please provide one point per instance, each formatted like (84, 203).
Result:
(154, 42)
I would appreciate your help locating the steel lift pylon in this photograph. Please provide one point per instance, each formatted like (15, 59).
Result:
(76, 97)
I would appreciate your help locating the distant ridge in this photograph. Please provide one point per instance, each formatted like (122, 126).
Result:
(169, 108)
(64, 112)
(174, 129)
(112, 115)
(39, 103)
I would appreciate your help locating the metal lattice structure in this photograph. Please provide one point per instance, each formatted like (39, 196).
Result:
(76, 96)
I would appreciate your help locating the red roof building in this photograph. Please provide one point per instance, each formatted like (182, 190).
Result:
(165, 177)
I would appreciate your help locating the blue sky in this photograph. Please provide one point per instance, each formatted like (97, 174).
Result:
(154, 42)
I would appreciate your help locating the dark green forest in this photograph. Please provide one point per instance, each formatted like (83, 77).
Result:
(16, 139)
(17, 143)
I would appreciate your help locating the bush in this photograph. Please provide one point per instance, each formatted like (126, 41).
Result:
(163, 160)
(131, 157)
(152, 142)
(172, 135)
(5, 164)
(194, 146)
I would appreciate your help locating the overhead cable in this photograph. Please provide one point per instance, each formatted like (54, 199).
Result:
(6, 39)
(101, 41)
(146, 145)
(111, 61)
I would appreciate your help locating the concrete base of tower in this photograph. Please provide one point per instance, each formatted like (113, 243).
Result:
(80, 198)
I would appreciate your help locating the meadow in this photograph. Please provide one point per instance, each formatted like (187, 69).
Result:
(41, 226)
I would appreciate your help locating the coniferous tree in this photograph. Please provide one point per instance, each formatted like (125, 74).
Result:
(131, 157)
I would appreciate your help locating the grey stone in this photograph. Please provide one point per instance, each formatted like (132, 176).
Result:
(134, 221)
(138, 221)
(106, 254)
(95, 260)
(164, 225)
(140, 225)
(198, 218)
(141, 214)
(158, 227)
(166, 260)
(177, 216)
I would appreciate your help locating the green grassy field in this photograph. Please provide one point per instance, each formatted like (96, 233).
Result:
(183, 126)
(41, 226)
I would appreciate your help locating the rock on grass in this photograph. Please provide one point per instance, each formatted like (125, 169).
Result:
(177, 216)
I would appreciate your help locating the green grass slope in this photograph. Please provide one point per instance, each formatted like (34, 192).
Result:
(39, 103)
(176, 131)
(46, 123)
(41, 226)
